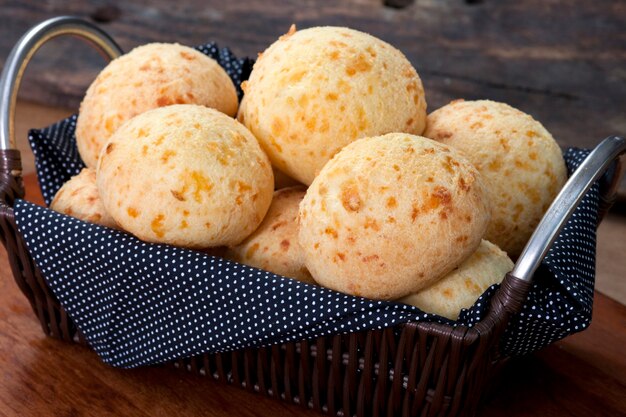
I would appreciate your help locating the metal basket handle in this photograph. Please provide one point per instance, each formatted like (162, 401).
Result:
(592, 168)
(24, 50)
(511, 296)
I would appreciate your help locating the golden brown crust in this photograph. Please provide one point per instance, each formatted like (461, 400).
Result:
(389, 215)
(461, 287)
(185, 175)
(520, 161)
(314, 91)
(274, 245)
(150, 76)
(79, 197)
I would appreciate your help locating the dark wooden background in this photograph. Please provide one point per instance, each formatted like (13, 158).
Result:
(564, 62)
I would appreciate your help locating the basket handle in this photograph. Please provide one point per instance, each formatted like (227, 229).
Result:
(21, 55)
(516, 284)
(563, 206)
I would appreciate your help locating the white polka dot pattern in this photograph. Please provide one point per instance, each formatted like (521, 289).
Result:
(56, 156)
(560, 300)
(139, 303)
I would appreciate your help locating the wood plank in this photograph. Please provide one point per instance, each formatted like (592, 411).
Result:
(611, 247)
(33, 116)
(582, 375)
(560, 61)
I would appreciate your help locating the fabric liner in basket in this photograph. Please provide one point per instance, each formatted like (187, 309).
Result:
(139, 303)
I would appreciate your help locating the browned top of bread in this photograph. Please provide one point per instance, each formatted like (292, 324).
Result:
(185, 175)
(519, 160)
(79, 197)
(461, 287)
(315, 90)
(149, 76)
(391, 214)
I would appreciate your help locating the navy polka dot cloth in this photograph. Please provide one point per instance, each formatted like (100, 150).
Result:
(139, 303)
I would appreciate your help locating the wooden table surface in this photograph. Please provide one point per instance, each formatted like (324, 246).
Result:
(583, 375)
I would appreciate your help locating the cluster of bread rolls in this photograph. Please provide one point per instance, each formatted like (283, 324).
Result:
(399, 205)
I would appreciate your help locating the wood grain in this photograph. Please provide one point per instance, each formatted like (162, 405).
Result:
(563, 62)
(33, 116)
(582, 375)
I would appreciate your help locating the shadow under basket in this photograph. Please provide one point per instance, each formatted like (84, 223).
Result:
(420, 368)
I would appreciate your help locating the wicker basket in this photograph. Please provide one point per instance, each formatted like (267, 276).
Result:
(426, 369)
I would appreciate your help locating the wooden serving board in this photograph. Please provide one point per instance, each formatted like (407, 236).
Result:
(562, 62)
